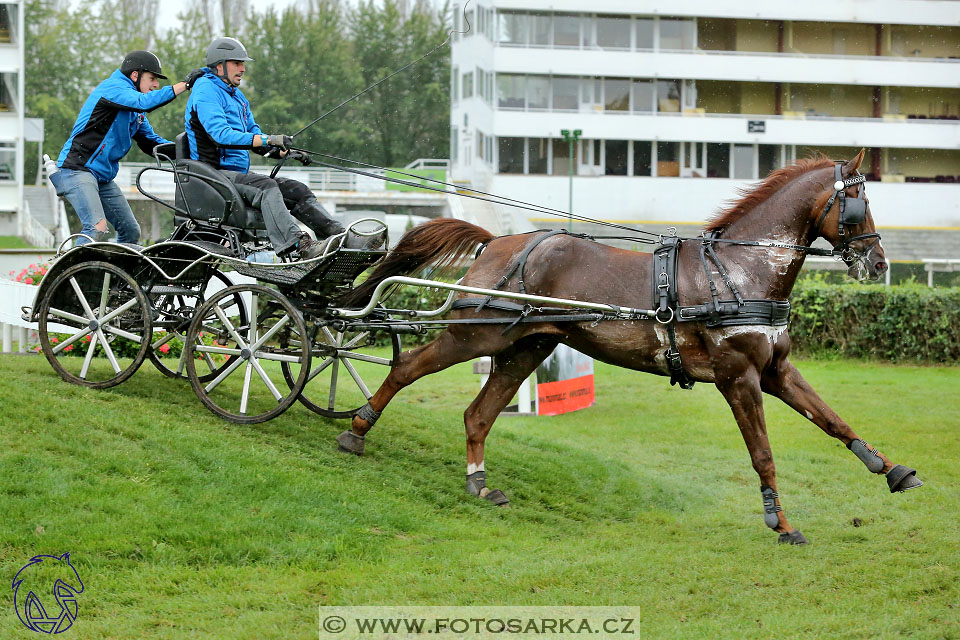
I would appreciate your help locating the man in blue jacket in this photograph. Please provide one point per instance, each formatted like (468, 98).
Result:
(112, 118)
(221, 131)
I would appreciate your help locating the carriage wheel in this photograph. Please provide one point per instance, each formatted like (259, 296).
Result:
(342, 378)
(172, 307)
(249, 388)
(95, 325)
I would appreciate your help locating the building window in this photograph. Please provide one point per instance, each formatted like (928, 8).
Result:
(538, 153)
(566, 30)
(613, 32)
(718, 160)
(455, 84)
(768, 156)
(8, 161)
(566, 93)
(512, 28)
(561, 158)
(541, 29)
(468, 85)
(510, 154)
(668, 96)
(642, 157)
(643, 92)
(538, 92)
(616, 94)
(676, 34)
(643, 30)
(743, 162)
(668, 159)
(454, 144)
(511, 91)
(591, 94)
(456, 22)
(615, 157)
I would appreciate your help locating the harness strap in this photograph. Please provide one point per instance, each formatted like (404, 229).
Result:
(774, 313)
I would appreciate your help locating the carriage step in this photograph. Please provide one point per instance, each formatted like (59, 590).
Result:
(168, 290)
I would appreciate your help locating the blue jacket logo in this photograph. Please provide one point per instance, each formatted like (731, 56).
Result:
(44, 585)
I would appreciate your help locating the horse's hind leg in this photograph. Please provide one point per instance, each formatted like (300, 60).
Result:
(510, 369)
(740, 386)
(785, 382)
(411, 365)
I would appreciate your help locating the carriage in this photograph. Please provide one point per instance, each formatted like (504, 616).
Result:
(709, 309)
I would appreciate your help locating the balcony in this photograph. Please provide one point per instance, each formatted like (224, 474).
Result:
(741, 66)
(805, 129)
(922, 12)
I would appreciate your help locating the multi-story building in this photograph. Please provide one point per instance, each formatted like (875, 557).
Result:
(679, 104)
(11, 114)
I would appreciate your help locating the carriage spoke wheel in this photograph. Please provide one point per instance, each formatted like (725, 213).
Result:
(250, 386)
(345, 370)
(95, 325)
(173, 307)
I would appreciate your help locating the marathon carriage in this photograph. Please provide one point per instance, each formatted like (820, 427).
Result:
(246, 348)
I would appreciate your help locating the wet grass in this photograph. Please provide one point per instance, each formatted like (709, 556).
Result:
(184, 526)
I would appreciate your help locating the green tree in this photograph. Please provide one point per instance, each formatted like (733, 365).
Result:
(406, 117)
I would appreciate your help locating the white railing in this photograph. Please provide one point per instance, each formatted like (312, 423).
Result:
(32, 231)
(429, 163)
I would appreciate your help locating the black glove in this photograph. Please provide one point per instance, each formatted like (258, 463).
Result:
(300, 156)
(284, 142)
(192, 77)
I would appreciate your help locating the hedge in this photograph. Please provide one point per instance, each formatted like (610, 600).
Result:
(903, 323)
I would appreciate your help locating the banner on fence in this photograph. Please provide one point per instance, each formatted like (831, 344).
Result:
(564, 382)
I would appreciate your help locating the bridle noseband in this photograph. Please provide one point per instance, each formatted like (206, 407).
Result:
(852, 212)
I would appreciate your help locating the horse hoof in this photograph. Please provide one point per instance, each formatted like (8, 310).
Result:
(794, 537)
(349, 442)
(496, 496)
(902, 478)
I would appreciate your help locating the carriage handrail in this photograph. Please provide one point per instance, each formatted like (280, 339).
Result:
(625, 312)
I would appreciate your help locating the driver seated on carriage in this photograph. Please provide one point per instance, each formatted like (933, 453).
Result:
(220, 130)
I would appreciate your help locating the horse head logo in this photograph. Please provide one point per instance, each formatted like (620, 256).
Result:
(47, 578)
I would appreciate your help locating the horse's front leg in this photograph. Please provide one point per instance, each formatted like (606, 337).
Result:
(740, 386)
(785, 382)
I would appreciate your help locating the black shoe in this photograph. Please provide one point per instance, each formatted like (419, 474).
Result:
(309, 248)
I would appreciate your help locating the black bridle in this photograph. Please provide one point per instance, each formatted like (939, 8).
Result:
(852, 212)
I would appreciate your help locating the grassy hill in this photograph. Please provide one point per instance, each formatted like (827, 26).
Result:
(184, 526)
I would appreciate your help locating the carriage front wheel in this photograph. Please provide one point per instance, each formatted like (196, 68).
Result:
(250, 388)
(95, 325)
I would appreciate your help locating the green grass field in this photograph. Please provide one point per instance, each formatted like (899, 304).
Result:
(184, 526)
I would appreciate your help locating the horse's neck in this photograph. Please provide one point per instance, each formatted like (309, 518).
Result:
(775, 270)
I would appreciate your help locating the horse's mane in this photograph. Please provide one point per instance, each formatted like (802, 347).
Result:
(750, 197)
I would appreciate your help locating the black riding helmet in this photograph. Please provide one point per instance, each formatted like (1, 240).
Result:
(141, 61)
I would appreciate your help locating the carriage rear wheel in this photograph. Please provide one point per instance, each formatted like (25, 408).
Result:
(345, 369)
(180, 307)
(250, 387)
(95, 325)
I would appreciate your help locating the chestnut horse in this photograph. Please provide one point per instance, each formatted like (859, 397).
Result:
(790, 209)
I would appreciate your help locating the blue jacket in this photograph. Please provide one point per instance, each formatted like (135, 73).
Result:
(111, 119)
(219, 124)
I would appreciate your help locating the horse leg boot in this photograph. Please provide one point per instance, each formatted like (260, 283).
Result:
(786, 383)
(510, 369)
(409, 367)
(741, 390)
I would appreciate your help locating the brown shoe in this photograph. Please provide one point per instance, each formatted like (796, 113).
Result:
(308, 248)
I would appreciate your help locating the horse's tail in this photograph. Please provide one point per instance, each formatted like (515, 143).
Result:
(440, 243)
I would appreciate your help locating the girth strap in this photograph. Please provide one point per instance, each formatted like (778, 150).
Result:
(731, 313)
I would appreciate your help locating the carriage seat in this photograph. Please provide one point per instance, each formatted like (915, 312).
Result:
(209, 197)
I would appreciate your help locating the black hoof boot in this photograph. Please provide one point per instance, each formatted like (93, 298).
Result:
(794, 537)
(349, 442)
(497, 497)
(902, 478)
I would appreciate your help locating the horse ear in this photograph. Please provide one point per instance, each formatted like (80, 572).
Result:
(851, 166)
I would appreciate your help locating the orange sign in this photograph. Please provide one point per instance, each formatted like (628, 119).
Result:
(563, 396)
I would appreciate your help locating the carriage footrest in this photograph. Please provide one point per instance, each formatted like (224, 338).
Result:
(169, 290)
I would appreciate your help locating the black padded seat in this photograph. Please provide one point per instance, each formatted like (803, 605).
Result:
(209, 196)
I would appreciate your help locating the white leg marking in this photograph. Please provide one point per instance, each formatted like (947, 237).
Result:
(472, 468)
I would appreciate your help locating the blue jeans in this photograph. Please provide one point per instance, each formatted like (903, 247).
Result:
(93, 201)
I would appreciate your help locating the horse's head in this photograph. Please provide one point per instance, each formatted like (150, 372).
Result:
(842, 216)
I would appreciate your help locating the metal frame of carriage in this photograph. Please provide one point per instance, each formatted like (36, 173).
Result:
(117, 296)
